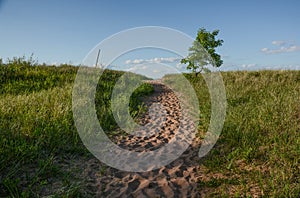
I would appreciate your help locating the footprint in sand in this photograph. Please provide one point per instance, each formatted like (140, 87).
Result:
(179, 178)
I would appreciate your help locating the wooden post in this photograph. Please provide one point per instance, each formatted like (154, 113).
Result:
(98, 57)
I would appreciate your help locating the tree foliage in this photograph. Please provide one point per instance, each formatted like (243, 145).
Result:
(203, 52)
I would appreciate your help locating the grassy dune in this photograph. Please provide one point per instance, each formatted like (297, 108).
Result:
(37, 128)
(257, 153)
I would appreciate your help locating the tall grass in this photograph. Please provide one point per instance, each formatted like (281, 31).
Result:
(257, 153)
(37, 128)
(20, 75)
(259, 145)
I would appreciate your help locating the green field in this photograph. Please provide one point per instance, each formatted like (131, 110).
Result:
(37, 128)
(258, 151)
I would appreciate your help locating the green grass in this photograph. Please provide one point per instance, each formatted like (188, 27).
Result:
(37, 132)
(103, 95)
(21, 76)
(259, 145)
(41, 153)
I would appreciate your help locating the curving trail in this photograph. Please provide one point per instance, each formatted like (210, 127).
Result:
(179, 178)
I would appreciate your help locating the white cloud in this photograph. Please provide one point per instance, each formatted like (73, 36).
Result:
(257, 67)
(249, 65)
(292, 48)
(279, 43)
(153, 60)
(285, 47)
(55, 63)
(135, 61)
(265, 49)
(138, 61)
(283, 67)
(156, 71)
(152, 70)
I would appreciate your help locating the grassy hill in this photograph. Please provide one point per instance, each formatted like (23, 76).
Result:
(37, 127)
(257, 153)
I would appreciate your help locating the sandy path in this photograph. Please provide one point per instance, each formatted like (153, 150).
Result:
(178, 179)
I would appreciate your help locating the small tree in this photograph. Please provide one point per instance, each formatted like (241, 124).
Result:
(203, 53)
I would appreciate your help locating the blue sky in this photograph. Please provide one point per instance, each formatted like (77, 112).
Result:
(256, 34)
